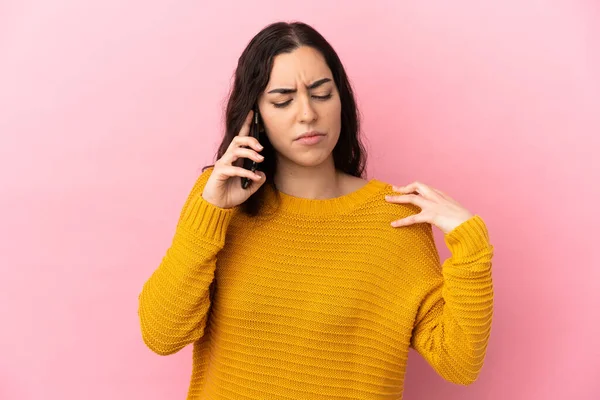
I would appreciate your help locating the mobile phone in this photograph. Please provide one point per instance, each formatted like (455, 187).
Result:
(250, 164)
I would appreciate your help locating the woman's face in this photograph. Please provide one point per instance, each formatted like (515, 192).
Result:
(301, 97)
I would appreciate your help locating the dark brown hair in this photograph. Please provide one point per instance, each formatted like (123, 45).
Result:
(250, 80)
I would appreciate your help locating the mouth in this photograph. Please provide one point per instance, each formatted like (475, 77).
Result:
(310, 134)
(310, 138)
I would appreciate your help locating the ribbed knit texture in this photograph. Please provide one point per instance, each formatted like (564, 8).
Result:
(321, 301)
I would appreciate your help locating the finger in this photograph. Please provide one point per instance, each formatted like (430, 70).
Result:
(257, 183)
(413, 219)
(228, 171)
(245, 141)
(442, 194)
(245, 131)
(418, 187)
(407, 198)
(242, 152)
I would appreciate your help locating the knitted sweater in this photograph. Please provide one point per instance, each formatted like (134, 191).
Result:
(320, 301)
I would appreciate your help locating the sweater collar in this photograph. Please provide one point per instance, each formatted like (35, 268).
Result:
(322, 207)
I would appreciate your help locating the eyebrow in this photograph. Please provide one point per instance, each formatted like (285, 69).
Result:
(311, 86)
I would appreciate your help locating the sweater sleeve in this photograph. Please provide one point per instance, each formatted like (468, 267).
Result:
(175, 300)
(454, 319)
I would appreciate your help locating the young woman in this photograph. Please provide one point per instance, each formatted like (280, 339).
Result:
(312, 282)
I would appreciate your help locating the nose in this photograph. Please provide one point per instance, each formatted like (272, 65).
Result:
(307, 112)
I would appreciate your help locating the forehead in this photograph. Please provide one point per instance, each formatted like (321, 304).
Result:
(303, 65)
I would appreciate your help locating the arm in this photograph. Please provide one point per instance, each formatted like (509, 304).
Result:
(174, 301)
(454, 319)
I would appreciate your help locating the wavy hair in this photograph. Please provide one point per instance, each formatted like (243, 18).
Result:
(250, 80)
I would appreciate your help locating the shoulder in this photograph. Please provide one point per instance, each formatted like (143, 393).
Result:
(418, 239)
(393, 211)
(380, 189)
(373, 192)
(412, 244)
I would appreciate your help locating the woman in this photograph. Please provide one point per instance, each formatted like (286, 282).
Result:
(298, 286)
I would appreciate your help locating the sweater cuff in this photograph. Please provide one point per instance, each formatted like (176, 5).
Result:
(206, 220)
(468, 238)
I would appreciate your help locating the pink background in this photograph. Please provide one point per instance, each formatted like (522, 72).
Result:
(108, 110)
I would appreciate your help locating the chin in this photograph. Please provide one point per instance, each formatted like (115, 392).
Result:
(308, 157)
(311, 159)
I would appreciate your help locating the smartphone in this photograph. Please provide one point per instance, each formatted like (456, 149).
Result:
(250, 164)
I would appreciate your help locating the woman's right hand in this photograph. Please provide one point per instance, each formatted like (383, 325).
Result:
(223, 188)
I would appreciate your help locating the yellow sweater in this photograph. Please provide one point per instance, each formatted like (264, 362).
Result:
(322, 301)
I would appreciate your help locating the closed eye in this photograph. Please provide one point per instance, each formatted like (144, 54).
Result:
(324, 97)
(285, 103)
(281, 105)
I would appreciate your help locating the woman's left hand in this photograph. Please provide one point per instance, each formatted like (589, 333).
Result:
(437, 208)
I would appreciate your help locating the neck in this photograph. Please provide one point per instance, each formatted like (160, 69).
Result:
(318, 182)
